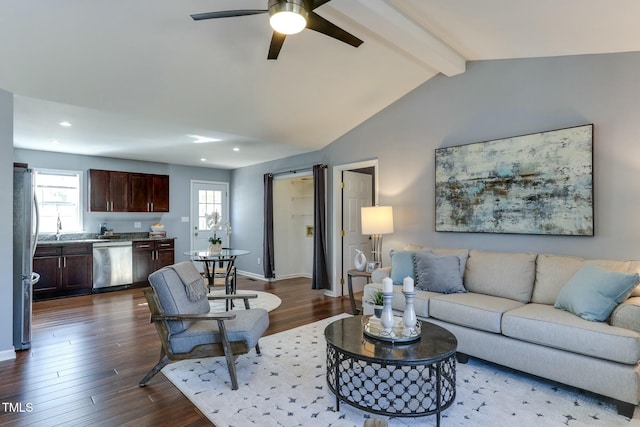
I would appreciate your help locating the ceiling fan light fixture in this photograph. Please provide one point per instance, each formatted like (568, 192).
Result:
(287, 17)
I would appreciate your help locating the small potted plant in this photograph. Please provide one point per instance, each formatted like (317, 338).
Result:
(215, 245)
(378, 302)
(216, 224)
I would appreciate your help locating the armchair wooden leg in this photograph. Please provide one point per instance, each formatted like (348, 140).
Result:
(164, 361)
(257, 348)
(228, 354)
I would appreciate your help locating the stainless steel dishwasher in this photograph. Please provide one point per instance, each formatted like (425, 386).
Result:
(112, 264)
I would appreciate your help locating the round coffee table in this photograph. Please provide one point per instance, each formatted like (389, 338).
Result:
(402, 380)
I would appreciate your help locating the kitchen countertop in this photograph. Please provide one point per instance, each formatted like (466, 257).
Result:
(93, 238)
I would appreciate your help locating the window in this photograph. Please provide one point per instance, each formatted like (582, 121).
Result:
(209, 201)
(59, 194)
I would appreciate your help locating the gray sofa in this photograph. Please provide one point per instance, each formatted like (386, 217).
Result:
(507, 316)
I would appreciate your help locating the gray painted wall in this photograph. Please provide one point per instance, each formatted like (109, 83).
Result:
(492, 99)
(495, 99)
(6, 225)
(179, 181)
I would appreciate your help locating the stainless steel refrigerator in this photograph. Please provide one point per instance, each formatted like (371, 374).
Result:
(25, 237)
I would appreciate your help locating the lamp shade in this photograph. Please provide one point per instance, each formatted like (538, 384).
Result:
(377, 219)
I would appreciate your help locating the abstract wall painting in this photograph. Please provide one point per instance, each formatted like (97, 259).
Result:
(540, 183)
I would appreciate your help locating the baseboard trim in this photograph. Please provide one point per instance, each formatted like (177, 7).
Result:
(252, 275)
(327, 292)
(7, 355)
(259, 277)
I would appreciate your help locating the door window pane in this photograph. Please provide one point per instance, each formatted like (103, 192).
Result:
(209, 201)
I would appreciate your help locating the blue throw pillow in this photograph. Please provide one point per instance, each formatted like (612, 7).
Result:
(593, 292)
(402, 265)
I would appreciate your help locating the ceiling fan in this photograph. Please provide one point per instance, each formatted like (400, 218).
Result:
(289, 17)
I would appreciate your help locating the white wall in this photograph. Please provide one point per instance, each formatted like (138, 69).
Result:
(6, 225)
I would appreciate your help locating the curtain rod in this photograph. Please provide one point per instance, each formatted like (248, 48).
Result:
(309, 169)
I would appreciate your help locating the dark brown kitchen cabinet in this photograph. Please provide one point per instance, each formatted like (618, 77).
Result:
(64, 270)
(114, 191)
(148, 193)
(160, 193)
(108, 191)
(149, 256)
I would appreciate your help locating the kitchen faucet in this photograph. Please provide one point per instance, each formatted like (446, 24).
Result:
(58, 228)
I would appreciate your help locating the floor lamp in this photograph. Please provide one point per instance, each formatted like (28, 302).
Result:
(376, 221)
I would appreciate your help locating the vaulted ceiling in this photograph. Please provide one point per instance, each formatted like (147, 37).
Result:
(141, 80)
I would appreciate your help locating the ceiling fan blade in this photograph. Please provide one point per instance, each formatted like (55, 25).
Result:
(321, 25)
(226, 14)
(317, 3)
(276, 44)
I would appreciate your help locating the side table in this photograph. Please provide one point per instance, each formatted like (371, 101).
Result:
(350, 275)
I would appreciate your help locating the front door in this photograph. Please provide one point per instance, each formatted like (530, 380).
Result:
(207, 198)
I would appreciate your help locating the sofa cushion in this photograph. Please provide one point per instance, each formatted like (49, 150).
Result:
(248, 326)
(553, 271)
(462, 254)
(437, 273)
(593, 292)
(380, 273)
(542, 324)
(507, 275)
(627, 315)
(402, 266)
(476, 311)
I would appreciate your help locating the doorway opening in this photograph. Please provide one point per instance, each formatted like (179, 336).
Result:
(293, 225)
(359, 189)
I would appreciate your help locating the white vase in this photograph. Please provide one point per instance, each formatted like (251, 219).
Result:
(360, 260)
(215, 248)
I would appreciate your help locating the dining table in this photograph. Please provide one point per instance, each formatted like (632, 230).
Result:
(226, 257)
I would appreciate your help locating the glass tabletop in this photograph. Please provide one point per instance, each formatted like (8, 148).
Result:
(225, 253)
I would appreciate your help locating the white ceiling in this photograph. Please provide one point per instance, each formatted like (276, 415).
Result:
(135, 78)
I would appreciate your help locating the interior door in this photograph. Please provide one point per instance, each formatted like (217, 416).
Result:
(357, 192)
(207, 198)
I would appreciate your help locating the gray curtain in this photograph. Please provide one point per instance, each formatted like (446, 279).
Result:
(267, 241)
(320, 277)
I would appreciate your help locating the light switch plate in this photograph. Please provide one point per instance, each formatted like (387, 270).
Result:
(137, 224)
(184, 219)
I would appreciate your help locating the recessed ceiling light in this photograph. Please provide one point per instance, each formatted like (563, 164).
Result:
(65, 124)
(203, 159)
(236, 149)
(199, 139)
(55, 142)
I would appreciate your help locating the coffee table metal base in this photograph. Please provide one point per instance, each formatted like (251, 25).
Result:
(395, 379)
(407, 390)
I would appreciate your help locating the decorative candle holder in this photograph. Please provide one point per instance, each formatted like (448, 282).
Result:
(409, 319)
(387, 313)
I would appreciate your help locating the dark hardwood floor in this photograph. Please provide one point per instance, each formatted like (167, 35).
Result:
(89, 352)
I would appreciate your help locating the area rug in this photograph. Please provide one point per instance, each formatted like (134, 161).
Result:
(286, 386)
(265, 300)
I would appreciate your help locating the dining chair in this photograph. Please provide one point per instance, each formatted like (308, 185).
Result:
(187, 328)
